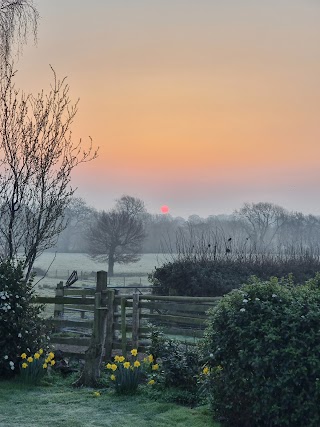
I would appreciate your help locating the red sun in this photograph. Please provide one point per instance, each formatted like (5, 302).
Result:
(164, 209)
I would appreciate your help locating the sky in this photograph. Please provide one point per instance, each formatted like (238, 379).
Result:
(200, 105)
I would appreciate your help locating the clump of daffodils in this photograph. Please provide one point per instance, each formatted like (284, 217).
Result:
(127, 373)
(34, 367)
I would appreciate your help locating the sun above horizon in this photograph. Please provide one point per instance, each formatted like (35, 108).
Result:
(164, 209)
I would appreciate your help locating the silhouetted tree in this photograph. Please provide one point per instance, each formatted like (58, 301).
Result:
(116, 236)
(37, 156)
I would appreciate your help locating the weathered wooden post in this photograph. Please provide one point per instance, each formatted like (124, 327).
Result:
(109, 334)
(59, 308)
(135, 320)
(93, 356)
(123, 327)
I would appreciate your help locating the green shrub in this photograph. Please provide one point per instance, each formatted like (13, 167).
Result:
(21, 328)
(263, 345)
(212, 278)
(179, 362)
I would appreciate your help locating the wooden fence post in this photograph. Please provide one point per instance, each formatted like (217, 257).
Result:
(59, 308)
(135, 320)
(109, 335)
(93, 356)
(123, 327)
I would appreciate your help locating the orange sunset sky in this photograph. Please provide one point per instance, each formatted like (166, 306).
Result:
(201, 105)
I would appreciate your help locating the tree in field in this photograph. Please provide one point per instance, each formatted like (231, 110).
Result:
(262, 222)
(17, 19)
(37, 157)
(116, 236)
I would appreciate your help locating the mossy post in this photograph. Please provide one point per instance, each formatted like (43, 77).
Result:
(90, 375)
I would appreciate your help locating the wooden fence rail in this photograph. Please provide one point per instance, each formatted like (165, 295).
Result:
(78, 315)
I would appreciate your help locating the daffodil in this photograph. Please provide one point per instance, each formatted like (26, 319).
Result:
(136, 364)
(30, 359)
(40, 351)
(150, 358)
(51, 355)
(113, 377)
(23, 356)
(205, 370)
(126, 365)
(45, 365)
(151, 382)
(36, 355)
(108, 365)
(53, 362)
(24, 365)
(134, 352)
(155, 367)
(121, 359)
(116, 358)
(114, 367)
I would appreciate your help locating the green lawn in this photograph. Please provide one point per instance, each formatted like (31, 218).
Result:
(59, 405)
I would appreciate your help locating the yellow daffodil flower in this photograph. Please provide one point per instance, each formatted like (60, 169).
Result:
(108, 365)
(134, 352)
(136, 364)
(23, 356)
(51, 355)
(150, 358)
(205, 370)
(36, 355)
(121, 359)
(53, 362)
(113, 377)
(114, 367)
(45, 365)
(30, 359)
(151, 382)
(40, 351)
(126, 365)
(116, 358)
(24, 365)
(155, 367)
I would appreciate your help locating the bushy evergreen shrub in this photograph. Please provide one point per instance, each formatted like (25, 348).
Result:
(263, 347)
(179, 367)
(217, 277)
(21, 329)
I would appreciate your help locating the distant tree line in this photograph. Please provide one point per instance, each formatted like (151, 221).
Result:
(256, 228)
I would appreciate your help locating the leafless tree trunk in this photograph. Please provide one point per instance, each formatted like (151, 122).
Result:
(37, 156)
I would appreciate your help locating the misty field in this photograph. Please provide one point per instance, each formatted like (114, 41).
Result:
(51, 268)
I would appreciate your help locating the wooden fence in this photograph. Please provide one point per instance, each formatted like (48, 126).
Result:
(77, 314)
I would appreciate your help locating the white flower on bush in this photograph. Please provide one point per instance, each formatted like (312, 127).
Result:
(274, 296)
(242, 309)
(6, 357)
(19, 335)
(257, 299)
(11, 365)
(245, 301)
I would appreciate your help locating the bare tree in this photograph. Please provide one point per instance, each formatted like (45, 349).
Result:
(37, 156)
(116, 236)
(262, 222)
(17, 19)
